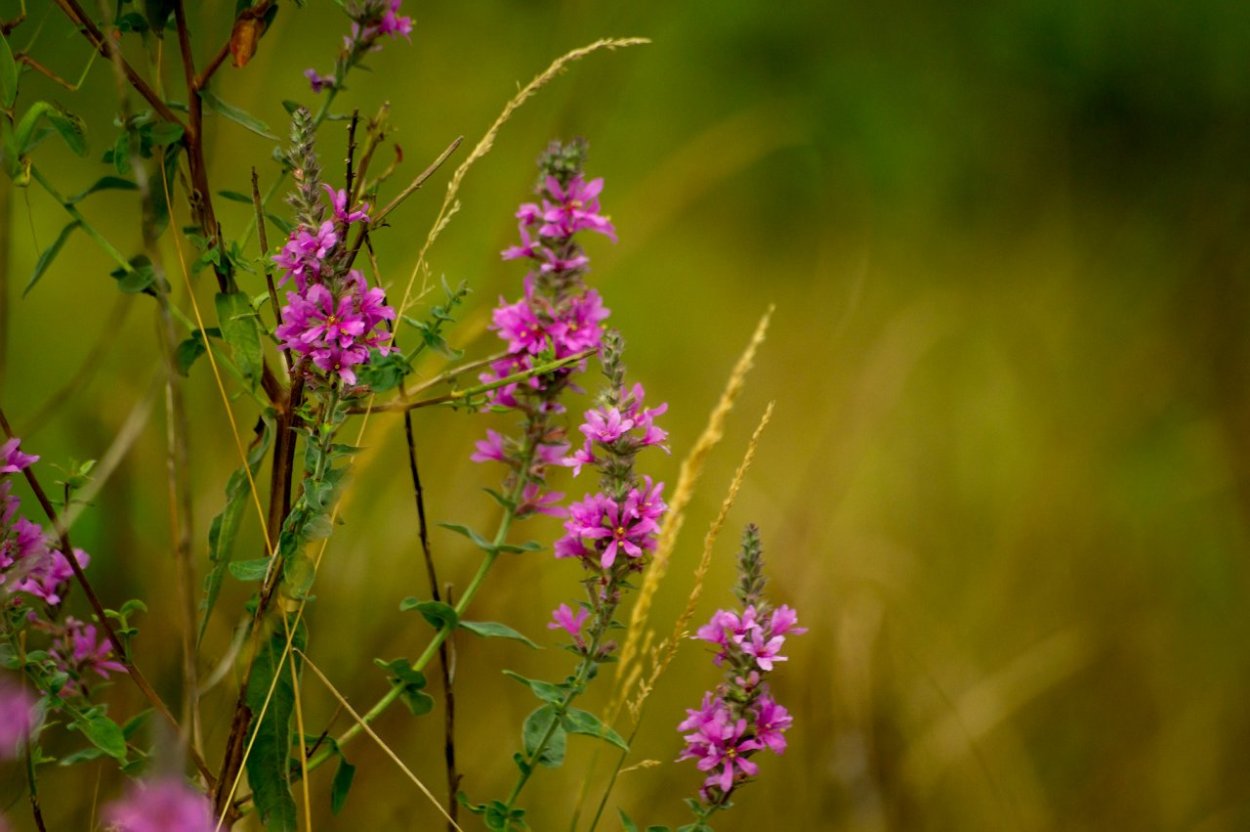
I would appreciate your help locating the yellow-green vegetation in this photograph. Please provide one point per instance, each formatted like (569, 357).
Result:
(1005, 483)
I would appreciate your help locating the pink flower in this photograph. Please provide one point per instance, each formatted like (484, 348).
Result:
(783, 621)
(565, 619)
(771, 722)
(574, 208)
(490, 449)
(338, 201)
(78, 651)
(536, 501)
(336, 332)
(13, 460)
(317, 81)
(165, 805)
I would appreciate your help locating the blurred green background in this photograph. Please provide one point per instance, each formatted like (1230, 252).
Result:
(1006, 486)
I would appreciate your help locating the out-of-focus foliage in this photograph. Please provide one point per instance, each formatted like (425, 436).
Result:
(1006, 486)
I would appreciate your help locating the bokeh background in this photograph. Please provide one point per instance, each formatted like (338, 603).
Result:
(1006, 486)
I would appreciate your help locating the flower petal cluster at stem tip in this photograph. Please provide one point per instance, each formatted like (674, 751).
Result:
(334, 318)
(740, 717)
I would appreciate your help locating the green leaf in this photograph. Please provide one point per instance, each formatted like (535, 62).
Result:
(70, 128)
(104, 733)
(240, 117)
(49, 254)
(104, 183)
(545, 691)
(493, 629)
(191, 349)
(411, 682)
(225, 526)
(8, 75)
(626, 824)
(269, 764)
(583, 722)
(249, 570)
(240, 329)
(541, 728)
(435, 612)
(165, 133)
(235, 196)
(479, 541)
(341, 785)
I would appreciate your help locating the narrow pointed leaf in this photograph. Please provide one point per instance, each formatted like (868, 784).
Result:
(269, 764)
(241, 331)
(49, 254)
(240, 117)
(493, 629)
(225, 526)
(583, 722)
(545, 691)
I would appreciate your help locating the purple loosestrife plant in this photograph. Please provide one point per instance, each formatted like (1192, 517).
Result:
(739, 718)
(611, 532)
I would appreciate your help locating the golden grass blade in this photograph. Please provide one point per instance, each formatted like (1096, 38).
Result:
(450, 204)
(691, 471)
(386, 748)
(667, 649)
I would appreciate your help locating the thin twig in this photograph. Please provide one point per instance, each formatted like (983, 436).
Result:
(401, 405)
(23, 58)
(94, 600)
(106, 48)
(447, 648)
(416, 184)
(365, 726)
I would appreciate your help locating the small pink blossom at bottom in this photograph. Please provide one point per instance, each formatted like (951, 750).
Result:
(564, 618)
(167, 805)
(17, 718)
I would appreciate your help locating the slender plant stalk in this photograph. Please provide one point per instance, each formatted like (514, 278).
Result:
(445, 650)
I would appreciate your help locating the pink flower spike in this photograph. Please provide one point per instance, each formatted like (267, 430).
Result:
(565, 619)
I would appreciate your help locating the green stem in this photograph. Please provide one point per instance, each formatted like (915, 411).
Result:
(470, 592)
(581, 677)
(87, 227)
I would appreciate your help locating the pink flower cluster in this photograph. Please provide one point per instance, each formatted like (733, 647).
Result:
(371, 19)
(758, 639)
(31, 570)
(557, 316)
(28, 564)
(600, 529)
(723, 743)
(740, 717)
(619, 430)
(163, 805)
(334, 319)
